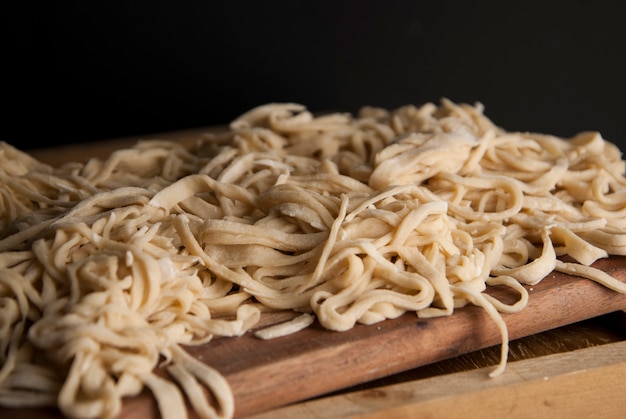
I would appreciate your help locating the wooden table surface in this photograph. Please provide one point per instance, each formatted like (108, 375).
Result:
(567, 358)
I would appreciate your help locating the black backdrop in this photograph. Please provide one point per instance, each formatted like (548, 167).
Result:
(85, 71)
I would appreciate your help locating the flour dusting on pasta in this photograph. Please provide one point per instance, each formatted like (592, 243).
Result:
(109, 268)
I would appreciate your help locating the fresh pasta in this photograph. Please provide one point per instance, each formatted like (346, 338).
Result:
(110, 267)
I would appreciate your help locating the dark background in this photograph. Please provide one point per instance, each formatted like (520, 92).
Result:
(85, 71)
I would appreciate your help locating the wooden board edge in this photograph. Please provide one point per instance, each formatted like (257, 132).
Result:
(585, 381)
(81, 152)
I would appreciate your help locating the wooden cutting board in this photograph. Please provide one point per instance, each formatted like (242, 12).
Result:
(268, 374)
(582, 383)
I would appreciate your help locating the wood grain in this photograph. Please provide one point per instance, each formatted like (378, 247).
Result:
(579, 384)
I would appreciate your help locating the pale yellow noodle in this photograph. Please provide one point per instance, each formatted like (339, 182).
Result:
(109, 268)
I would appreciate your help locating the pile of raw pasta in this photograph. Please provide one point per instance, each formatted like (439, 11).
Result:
(109, 268)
